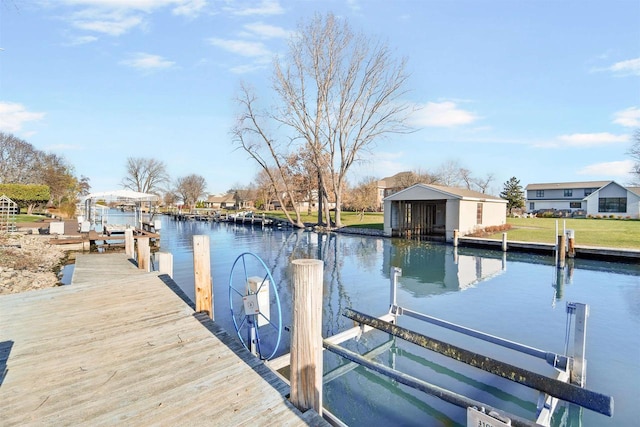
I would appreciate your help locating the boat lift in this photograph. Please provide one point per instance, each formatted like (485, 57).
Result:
(568, 384)
(250, 308)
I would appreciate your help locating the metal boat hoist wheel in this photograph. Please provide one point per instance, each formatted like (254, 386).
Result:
(255, 306)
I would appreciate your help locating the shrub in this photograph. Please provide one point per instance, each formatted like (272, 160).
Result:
(492, 229)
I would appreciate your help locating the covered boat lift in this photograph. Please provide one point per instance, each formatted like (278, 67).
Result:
(90, 207)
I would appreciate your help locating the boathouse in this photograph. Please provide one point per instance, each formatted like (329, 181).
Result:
(435, 211)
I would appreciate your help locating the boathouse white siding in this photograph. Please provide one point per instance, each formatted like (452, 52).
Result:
(433, 210)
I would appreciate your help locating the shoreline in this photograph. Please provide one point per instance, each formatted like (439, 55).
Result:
(30, 262)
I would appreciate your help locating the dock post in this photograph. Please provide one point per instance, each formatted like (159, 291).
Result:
(571, 251)
(306, 335)
(562, 250)
(202, 273)
(504, 242)
(395, 273)
(144, 254)
(579, 365)
(456, 234)
(129, 242)
(165, 263)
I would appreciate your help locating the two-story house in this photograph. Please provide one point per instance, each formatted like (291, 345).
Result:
(590, 197)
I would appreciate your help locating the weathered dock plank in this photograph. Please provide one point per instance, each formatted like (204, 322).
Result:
(117, 346)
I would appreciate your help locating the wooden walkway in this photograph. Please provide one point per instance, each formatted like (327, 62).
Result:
(118, 346)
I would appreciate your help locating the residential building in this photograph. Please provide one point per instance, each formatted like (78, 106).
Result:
(584, 198)
(392, 184)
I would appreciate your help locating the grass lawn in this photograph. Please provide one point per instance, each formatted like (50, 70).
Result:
(611, 233)
(29, 218)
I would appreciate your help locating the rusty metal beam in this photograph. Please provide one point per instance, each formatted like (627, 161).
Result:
(580, 396)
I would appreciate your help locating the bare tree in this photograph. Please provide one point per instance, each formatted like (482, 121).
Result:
(634, 152)
(190, 188)
(251, 134)
(145, 175)
(452, 174)
(339, 94)
(483, 183)
(18, 159)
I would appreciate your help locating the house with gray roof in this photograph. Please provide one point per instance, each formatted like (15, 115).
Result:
(593, 198)
(435, 211)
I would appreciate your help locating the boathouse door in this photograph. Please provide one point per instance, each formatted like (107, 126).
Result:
(417, 219)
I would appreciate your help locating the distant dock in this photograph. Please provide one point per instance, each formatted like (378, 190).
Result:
(119, 347)
(584, 252)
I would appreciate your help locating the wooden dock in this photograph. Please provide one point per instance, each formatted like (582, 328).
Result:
(119, 346)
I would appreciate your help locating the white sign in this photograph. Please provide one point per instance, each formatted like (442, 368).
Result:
(479, 418)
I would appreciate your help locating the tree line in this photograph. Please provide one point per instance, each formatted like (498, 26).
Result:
(21, 164)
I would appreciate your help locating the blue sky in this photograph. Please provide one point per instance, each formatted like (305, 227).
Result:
(546, 91)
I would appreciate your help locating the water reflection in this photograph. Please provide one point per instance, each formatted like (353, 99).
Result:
(513, 295)
(432, 269)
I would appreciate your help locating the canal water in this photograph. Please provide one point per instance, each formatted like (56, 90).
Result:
(520, 297)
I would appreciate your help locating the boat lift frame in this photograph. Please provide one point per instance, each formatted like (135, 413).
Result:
(568, 384)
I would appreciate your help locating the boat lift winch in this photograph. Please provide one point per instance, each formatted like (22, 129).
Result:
(251, 299)
(568, 384)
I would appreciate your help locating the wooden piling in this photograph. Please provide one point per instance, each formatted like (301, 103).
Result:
(129, 243)
(202, 273)
(144, 254)
(165, 263)
(456, 235)
(562, 250)
(306, 335)
(571, 252)
(504, 242)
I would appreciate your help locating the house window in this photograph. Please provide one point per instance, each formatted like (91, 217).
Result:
(539, 193)
(612, 204)
(568, 193)
(575, 205)
(479, 214)
(587, 191)
(532, 206)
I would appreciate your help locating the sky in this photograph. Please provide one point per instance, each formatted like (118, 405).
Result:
(544, 91)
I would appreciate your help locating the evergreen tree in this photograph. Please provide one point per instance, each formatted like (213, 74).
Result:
(513, 194)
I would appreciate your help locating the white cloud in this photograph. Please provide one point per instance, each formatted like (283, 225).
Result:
(592, 139)
(117, 17)
(442, 114)
(266, 7)
(147, 62)
(76, 41)
(628, 67)
(629, 117)
(13, 116)
(267, 31)
(114, 25)
(241, 47)
(189, 8)
(620, 168)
